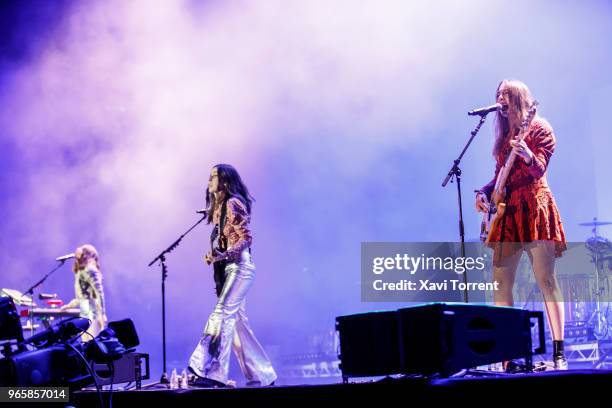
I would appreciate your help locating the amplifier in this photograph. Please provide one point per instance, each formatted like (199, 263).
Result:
(131, 367)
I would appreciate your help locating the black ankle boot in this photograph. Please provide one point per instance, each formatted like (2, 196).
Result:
(559, 359)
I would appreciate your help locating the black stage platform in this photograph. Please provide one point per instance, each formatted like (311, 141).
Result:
(529, 389)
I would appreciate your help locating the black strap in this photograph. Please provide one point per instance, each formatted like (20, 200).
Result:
(222, 219)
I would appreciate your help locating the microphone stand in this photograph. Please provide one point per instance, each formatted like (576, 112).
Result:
(37, 284)
(162, 260)
(455, 172)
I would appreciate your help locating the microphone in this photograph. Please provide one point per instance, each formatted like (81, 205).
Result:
(486, 110)
(202, 211)
(61, 331)
(64, 258)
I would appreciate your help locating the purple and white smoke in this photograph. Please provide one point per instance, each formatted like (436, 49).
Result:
(342, 117)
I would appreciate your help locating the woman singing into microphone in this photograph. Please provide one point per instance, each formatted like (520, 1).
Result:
(531, 221)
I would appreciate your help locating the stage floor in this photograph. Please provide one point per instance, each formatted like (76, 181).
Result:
(546, 387)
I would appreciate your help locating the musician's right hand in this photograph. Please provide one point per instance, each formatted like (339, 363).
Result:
(482, 203)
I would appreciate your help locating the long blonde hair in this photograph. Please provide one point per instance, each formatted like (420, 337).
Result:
(521, 99)
(89, 252)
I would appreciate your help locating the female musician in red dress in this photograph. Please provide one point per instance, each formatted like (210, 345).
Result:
(531, 222)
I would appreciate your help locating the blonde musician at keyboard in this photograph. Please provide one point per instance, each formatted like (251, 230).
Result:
(531, 220)
(88, 289)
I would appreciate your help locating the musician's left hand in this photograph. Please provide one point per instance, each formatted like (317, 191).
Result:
(521, 148)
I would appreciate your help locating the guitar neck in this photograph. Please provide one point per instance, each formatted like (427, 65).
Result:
(500, 184)
(505, 172)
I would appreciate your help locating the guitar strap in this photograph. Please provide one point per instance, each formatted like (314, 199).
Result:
(222, 219)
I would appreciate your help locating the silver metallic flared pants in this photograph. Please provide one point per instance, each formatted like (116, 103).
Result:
(228, 328)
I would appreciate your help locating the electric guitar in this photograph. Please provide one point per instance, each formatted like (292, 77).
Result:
(497, 205)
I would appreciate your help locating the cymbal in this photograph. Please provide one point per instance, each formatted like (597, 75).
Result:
(595, 223)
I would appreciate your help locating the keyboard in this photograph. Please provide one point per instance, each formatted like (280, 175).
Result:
(49, 312)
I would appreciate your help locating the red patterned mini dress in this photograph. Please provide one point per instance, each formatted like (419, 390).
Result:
(531, 212)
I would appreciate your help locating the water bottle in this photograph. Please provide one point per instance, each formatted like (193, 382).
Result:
(174, 380)
(183, 380)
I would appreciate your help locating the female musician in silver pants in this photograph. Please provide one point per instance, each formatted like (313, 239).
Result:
(227, 326)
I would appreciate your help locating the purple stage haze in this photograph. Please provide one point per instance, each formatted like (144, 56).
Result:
(343, 118)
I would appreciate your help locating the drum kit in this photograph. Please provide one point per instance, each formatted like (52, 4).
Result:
(587, 291)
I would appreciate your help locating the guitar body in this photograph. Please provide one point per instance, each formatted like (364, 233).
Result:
(491, 221)
(219, 275)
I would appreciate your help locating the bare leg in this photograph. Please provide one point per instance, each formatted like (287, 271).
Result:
(542, 256)
(504, 275)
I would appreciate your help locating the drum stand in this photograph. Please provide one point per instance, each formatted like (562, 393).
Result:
(599, 319)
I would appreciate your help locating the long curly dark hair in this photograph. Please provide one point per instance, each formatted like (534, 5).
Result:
(230, 182)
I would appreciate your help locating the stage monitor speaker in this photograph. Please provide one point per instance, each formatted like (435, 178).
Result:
(446, 338)
(437, 338)
(369, 344)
